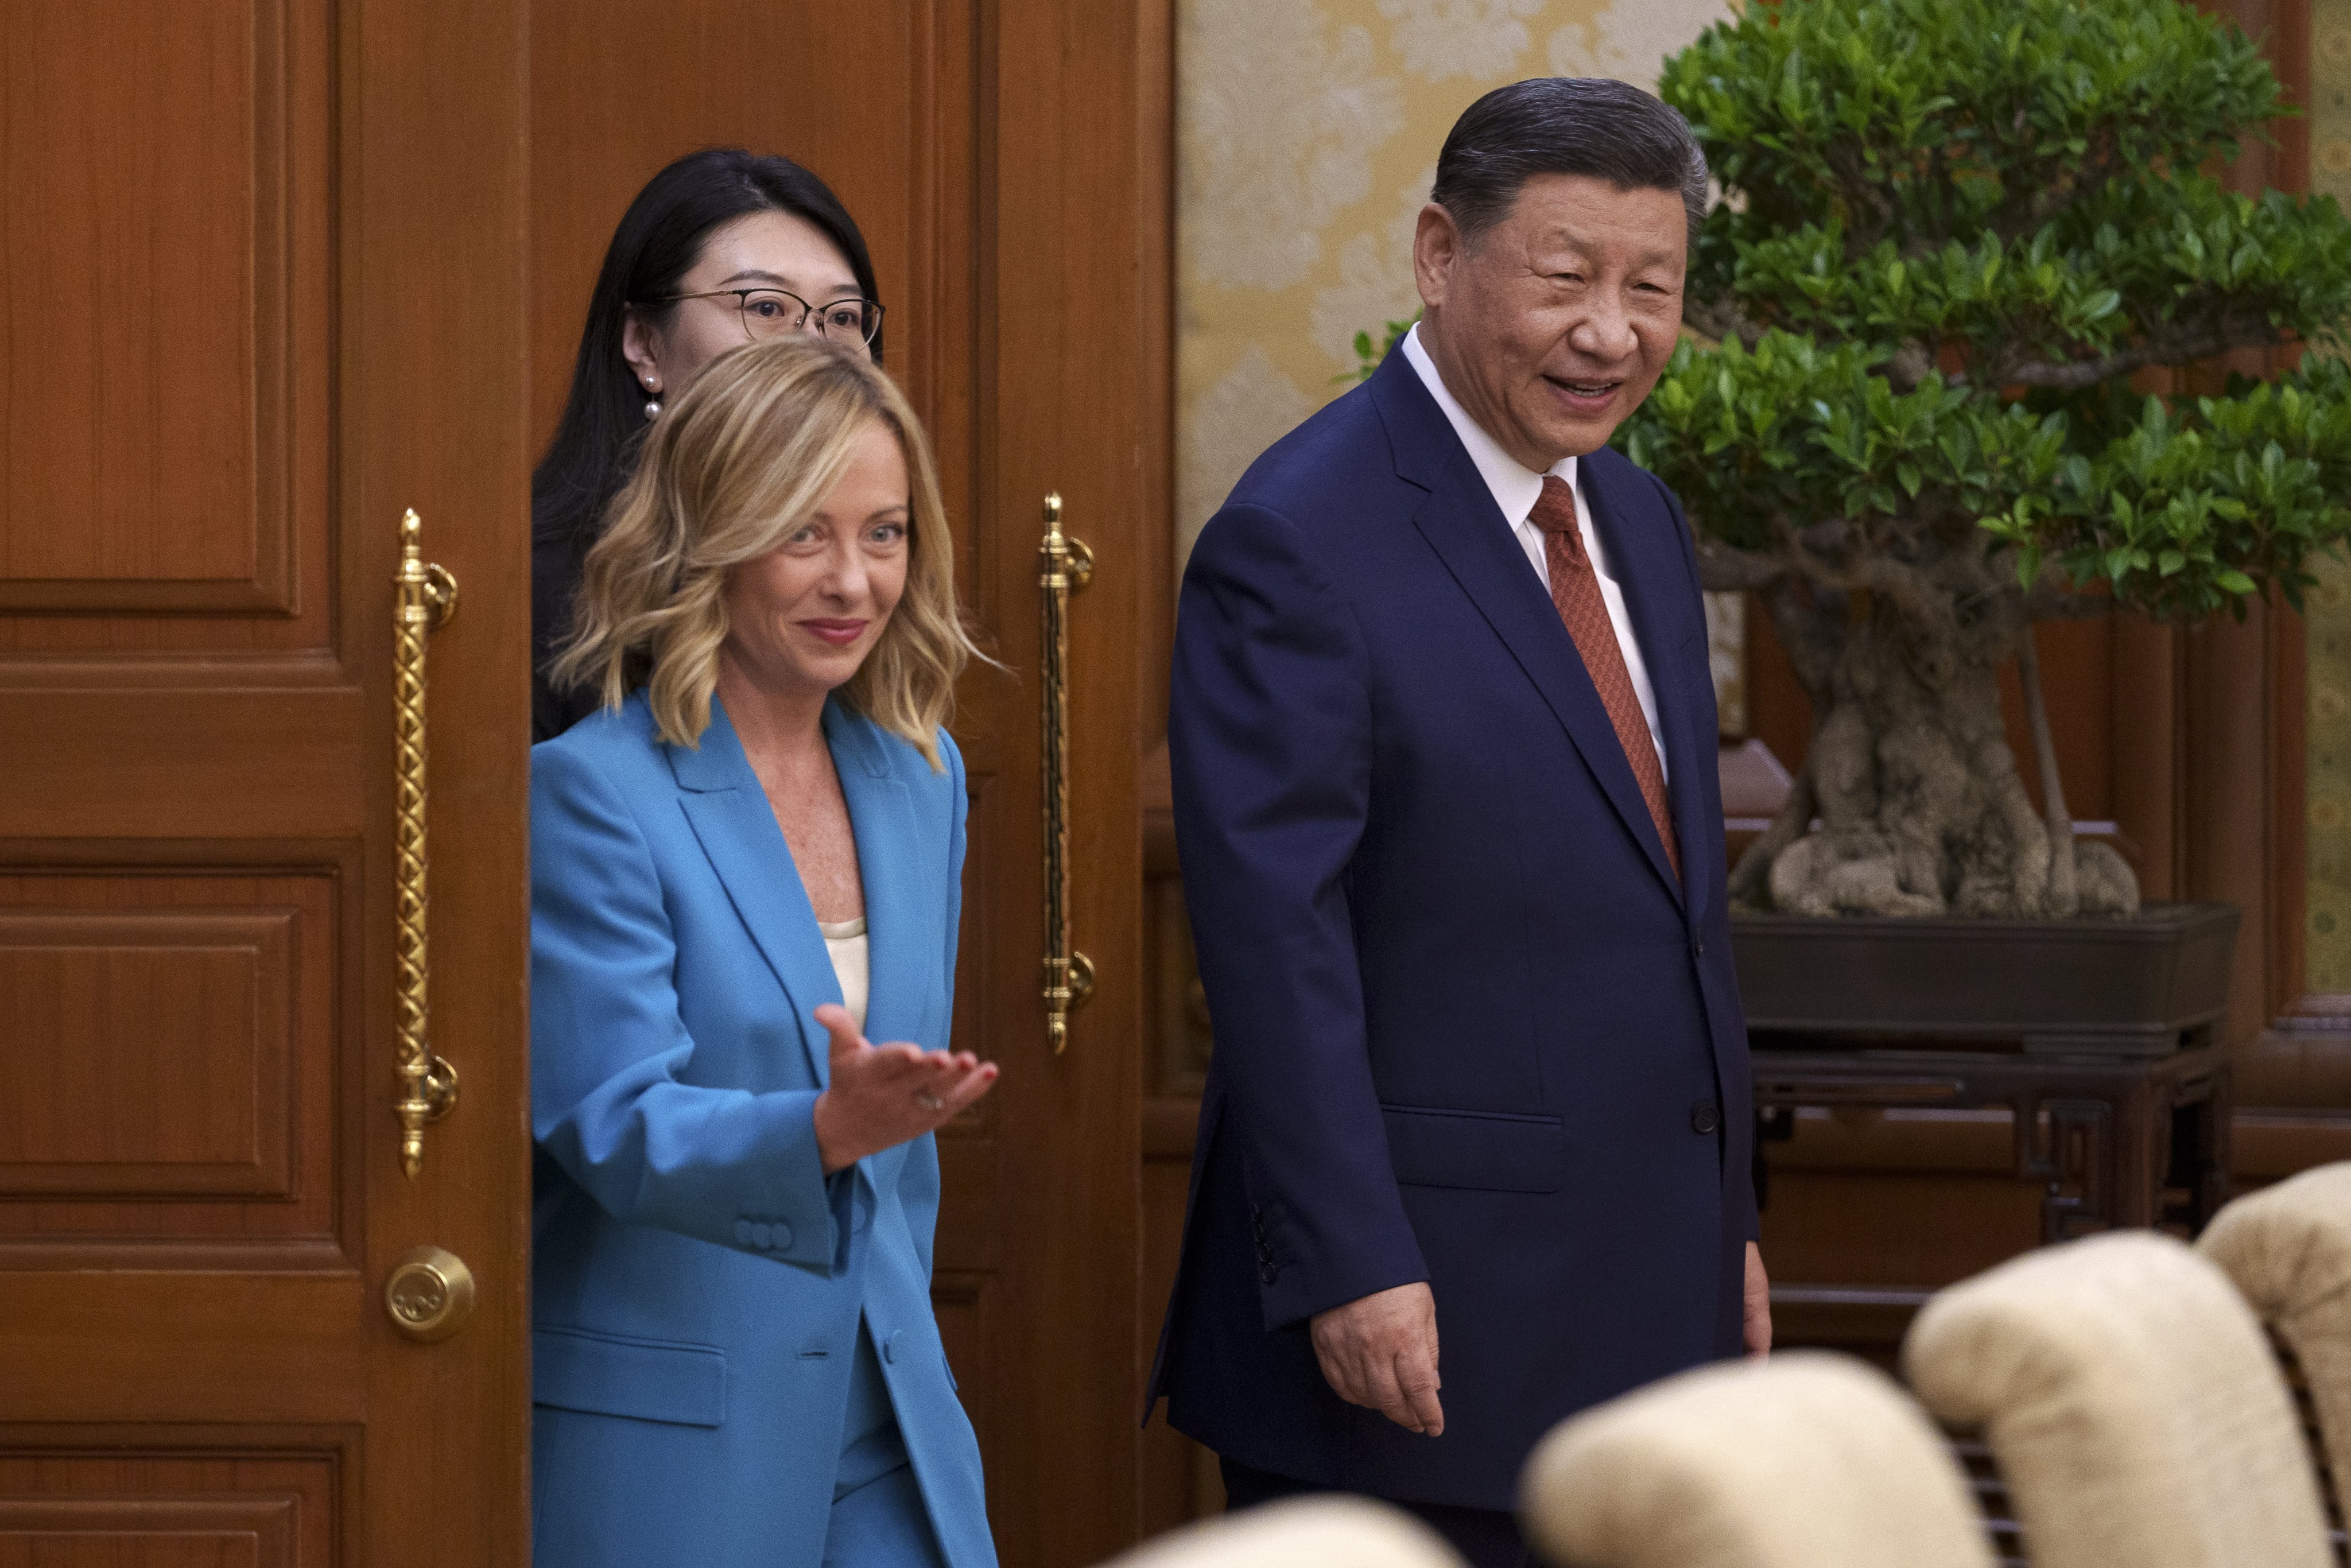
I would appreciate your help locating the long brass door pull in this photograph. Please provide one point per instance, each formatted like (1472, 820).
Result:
(1066, 565)
(424, 598)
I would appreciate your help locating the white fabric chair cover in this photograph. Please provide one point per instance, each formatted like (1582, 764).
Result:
(2288, 1248)
(2133, 1406)
(1306, 1533)
(1805, 1460)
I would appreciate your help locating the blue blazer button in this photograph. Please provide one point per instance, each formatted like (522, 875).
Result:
(761, 1236)
(890, 1346)
(743, 1232)
(782, 1237)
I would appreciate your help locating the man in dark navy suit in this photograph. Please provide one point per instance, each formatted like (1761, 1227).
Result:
(1443, 733)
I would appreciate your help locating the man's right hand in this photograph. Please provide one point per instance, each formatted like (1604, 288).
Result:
(1379, 1352)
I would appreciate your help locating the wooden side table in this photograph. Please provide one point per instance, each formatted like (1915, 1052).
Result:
(2114, 1141)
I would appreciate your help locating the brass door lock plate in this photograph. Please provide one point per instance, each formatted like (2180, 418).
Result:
(429, 1294)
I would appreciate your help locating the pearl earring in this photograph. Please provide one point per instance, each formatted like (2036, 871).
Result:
(653, 408)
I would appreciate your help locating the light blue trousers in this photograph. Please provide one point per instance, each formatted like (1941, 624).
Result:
(882, 1524)
(879, 1518)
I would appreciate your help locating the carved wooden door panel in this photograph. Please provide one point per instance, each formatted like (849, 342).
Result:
(261, 270)
(1007, 161)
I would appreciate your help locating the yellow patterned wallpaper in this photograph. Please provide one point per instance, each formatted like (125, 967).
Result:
(1308, 133)
(2327, 952)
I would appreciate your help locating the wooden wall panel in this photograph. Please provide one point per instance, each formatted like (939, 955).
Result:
(165, 310)
(184, 761)
(137, 1532)
(104, 993)
(169, 1080)
(167, 1509)
(130, 297)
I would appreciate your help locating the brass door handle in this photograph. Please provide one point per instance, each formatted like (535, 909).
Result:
(424, 598)
(429, 1293)
(1066, 565)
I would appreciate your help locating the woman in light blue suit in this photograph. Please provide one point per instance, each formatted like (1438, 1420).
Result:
(735, 1361)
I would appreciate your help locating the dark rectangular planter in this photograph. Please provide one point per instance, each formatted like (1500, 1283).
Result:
(2105, 988)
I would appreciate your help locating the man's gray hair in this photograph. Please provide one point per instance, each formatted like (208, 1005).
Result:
(1591, 126)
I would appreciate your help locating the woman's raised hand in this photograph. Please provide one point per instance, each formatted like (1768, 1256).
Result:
(882, 1095)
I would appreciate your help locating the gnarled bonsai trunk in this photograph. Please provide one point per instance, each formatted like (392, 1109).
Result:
(1919, 806)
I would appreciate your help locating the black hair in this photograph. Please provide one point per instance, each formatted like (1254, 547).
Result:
(658, 241)
(1591, 126)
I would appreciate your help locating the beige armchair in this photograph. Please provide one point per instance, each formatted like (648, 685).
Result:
(2288, 1248)
(1310, 1533)
(1806, 1460)
(2136, 1412)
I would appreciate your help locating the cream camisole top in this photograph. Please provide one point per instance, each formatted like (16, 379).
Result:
(844, 941)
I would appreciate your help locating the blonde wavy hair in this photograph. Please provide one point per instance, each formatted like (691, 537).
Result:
(726, 476)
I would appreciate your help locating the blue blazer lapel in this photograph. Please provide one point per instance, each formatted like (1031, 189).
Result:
(899, 930)
(738, 831)
(1635, 528)
(1465, 527)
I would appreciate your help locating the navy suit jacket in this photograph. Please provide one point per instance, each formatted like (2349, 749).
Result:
(1470, 1028)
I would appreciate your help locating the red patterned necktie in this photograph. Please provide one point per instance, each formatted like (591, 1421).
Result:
(1575, 591)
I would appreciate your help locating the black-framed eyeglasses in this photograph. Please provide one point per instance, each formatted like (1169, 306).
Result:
(770, 312)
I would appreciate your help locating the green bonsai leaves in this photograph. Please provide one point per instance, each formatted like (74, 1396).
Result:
(1954, 231)
(1930, 119)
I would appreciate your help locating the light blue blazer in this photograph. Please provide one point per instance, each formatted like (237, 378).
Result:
(697, 1282)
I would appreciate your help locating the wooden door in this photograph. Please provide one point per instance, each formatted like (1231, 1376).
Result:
(1007, 161)
(262, 269)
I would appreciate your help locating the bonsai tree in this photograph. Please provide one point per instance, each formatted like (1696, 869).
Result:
(1957, 241)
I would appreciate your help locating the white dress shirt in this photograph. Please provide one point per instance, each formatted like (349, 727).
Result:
(1515, 489)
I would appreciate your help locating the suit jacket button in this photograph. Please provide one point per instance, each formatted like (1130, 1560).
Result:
(890, 1346)
(760, 1235)
(743, 1233)
(1704, 1118)
(780, 1236)
(1267, 1272)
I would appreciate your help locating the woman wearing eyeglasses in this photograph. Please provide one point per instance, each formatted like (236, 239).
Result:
(721, 248)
